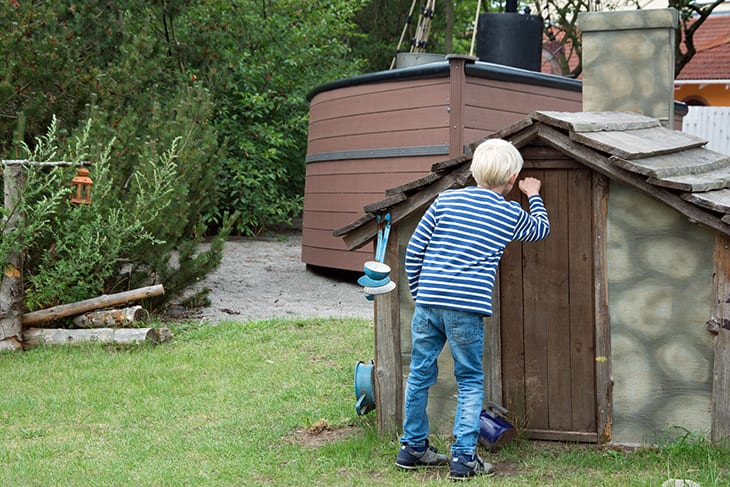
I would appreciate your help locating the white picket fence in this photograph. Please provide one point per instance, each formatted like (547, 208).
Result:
(710, 123)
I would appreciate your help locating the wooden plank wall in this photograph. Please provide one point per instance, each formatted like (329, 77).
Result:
(385, 115)
(390, 114)
(491, 105)
(547, 313)
(335, 194)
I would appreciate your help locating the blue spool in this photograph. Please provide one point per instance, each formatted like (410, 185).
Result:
(494, 429)
(367, 281)
(364, 387)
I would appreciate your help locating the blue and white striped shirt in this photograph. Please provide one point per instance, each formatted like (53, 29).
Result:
(452, 256)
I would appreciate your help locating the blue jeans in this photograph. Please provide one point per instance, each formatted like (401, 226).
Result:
(430, 329)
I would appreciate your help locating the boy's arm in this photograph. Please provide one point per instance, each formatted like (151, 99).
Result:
(416, 249)
(534, 225)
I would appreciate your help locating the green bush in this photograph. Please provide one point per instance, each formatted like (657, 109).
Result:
(260, 62)
(145, 223)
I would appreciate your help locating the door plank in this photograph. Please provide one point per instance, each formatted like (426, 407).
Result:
(536, 317)
(554, 297)
(511, 317)
(582, 349)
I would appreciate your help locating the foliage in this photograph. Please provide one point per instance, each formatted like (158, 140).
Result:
(260, 62)
(379, 27)
(132, 234)
(219, 404)
(256, 60)
(205, 102)
(22, 221)
(49, 65)
(561, 18)
(561, 26)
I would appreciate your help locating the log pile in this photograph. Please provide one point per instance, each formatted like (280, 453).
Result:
(97, 321)
(113, 318)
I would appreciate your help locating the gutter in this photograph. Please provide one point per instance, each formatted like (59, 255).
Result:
(702, 81)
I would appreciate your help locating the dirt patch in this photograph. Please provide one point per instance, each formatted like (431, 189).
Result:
(262, 278)
(320, 434)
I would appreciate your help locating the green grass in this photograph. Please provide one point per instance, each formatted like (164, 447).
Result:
(265, 403)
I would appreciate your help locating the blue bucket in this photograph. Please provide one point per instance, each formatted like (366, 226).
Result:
(364, 387)
(494, 429)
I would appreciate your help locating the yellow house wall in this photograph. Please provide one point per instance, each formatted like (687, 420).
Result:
(716, 95)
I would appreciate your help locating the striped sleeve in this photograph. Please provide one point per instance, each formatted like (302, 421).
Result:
(534, 225)
(416, 249)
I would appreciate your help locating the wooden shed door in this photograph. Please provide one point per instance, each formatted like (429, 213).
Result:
(547, 314)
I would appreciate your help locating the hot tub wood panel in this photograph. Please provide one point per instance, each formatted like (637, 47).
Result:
(415, 137)
(368, 136)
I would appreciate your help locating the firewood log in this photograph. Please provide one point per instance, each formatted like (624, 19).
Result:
(33, 337)
(112, 318)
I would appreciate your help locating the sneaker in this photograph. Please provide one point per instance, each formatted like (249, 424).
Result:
(411, 458)
(464, 467)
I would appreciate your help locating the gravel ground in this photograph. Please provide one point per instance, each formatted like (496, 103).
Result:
(262, 278)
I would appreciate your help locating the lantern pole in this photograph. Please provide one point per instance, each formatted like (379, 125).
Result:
(12, 292)
(11, 287)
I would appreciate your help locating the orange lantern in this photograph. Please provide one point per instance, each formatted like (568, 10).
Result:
(83, 184)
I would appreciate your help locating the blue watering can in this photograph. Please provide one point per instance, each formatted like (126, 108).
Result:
(494, 429)
(364, 387)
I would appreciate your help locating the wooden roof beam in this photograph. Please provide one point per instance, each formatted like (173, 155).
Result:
(599, 162)
(364, 233)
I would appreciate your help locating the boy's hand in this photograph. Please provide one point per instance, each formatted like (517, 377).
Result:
(530, 186)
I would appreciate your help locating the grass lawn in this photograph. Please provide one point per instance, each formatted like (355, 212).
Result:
(257, 403)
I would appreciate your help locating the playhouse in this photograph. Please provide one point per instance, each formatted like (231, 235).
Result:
(601, 331)
(614, 328)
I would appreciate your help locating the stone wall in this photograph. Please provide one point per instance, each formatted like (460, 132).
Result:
(628, 62)
(659, 293)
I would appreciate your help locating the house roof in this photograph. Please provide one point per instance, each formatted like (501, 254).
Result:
(712, 59)
(669, 165)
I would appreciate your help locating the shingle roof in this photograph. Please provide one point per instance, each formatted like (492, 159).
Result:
(669, 165)
(712, 59)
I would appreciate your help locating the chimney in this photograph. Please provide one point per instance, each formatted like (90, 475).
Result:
(628, 62)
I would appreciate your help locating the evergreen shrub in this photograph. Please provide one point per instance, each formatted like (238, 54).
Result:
(147, 217)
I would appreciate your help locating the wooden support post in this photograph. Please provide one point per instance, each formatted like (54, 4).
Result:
(388, 366)
(11, 288)
(457, 79)
(721, 320)
(604, 382)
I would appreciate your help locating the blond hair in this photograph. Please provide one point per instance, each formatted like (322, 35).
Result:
(494, 162)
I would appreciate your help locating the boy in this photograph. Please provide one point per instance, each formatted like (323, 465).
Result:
(451, 262)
